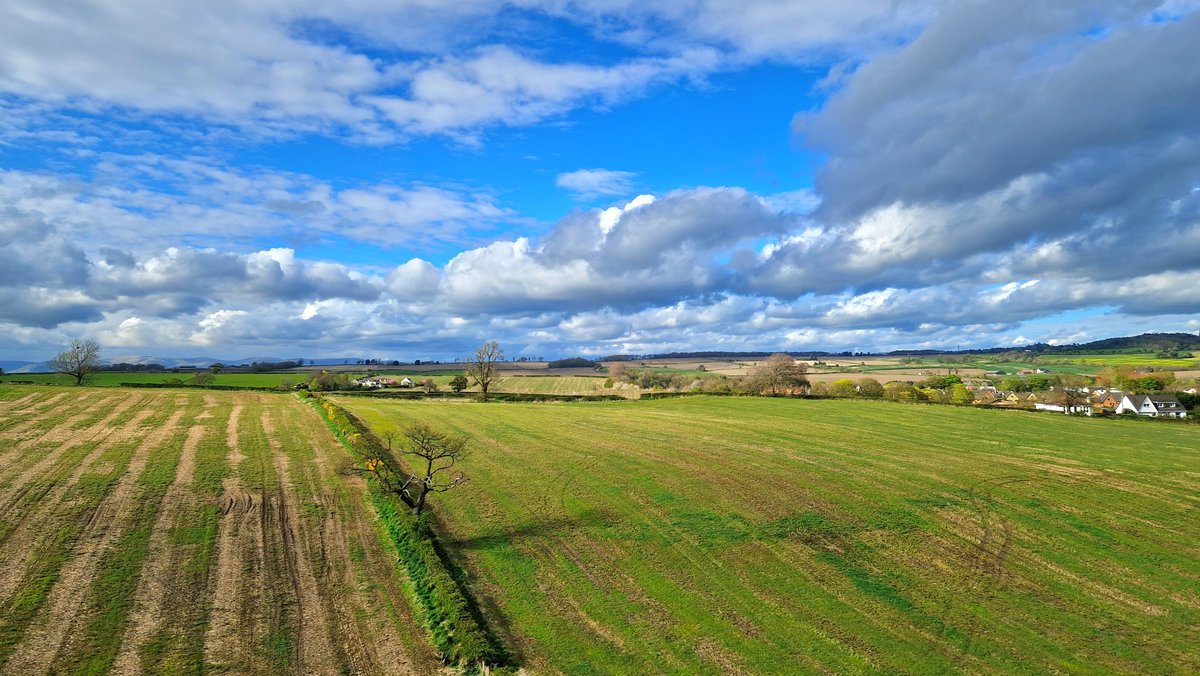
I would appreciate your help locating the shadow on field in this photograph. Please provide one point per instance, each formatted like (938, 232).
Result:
(534, 527)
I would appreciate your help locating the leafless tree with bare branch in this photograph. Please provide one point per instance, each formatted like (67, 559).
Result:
(78, 361)
(482, 366)
(435, 455)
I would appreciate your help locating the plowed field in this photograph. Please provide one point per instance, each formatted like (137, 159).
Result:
(158, 531)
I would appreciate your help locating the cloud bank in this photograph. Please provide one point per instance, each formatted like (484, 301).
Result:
(993, 172)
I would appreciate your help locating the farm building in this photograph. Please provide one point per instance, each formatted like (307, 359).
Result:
(1152, 405)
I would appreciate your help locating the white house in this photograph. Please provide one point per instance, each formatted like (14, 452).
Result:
(1152, 405)
(407, 382)
(371, 383)
(1085, 409)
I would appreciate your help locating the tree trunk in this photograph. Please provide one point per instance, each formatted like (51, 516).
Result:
(420, 501)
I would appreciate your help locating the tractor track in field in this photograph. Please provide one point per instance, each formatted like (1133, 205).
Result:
(45, 638)
(230, 641)
(156, 597)
(316, 650)
(992, 549)
(20, 401)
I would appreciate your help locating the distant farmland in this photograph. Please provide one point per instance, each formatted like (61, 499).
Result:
(716, 534)
(179, 531)
(116, 378)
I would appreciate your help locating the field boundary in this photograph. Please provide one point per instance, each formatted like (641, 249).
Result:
(456, 627)
(475, 396)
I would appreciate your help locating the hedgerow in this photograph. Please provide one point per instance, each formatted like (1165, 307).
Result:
(455, 627)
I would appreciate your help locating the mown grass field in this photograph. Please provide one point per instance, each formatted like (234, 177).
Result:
(114, 379)
(550, 385)
(183, 531)
(707, 535)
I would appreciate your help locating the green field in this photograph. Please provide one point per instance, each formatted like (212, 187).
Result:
(706, 535)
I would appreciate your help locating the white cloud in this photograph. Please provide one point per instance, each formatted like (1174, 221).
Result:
(500, 86)
(199, 202)
(320, 66)
(588, 184)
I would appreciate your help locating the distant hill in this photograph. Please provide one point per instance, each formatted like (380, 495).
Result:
(1146, 341)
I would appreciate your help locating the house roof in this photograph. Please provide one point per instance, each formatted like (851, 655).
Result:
(1160, 401)
(1168, 401)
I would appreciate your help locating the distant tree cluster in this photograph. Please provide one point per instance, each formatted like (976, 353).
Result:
(124, 367)
(650, 379)
(268, 366)
(1037, 382)
(1137, 382)
(326, 381)
(573, 362)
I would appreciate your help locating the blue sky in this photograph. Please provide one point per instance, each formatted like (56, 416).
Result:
(406, 179)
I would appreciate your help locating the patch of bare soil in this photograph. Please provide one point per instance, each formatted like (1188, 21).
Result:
(45, 637)
(25, 436)
(19, 548)
(41, 410)
(68, 439)
(156, 594)
(19, 402)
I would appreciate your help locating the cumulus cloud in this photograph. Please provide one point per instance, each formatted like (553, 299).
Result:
(1002, 124)
(990, 165)
(650, 251)
(383, 70)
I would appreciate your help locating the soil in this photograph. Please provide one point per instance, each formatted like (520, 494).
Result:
(300, 580)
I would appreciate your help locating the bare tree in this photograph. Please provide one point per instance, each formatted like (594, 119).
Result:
(435, 455)
(78, 361)
(778, 374)
(1068, 391)
(482, 365)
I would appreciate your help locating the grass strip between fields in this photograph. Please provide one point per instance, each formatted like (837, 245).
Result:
(456, 628)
